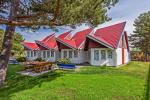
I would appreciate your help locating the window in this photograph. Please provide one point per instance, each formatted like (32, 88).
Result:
(75, 53)
(65, 54)
(109, 54)
(48, 54)
(31, 53)
(52, 53)
(34, 53)
(39, 54)
(44, 54)
(28, 53)
(96, 54)
(103, 54)
(70, 54)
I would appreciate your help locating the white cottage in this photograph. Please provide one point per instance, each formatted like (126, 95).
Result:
(45, 49)
(108, 46)
(72, 47)
(103, 46)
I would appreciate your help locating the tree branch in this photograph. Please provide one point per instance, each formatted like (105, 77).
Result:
(29, 16)
(27, 23)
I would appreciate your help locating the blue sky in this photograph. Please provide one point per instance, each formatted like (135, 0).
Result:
(124, 10)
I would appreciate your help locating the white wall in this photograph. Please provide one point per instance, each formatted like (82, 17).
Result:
(76, 60)
(118, 52)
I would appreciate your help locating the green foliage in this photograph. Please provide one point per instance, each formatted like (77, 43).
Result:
(21, 59)
(39, 59)
(141, 38)
(64, 61)
(89, 83)
(74, 12)
(17, 48)
(69, 12)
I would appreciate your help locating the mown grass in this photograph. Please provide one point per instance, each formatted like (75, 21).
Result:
(89, 83)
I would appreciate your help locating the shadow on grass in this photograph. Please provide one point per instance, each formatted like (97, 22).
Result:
(147, 90)
(16, 82)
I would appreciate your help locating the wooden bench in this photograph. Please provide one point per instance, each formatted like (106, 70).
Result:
(42, 66)
(38, 66)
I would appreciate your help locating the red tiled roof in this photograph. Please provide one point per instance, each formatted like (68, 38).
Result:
(77, 40)
(110, 35)
(48, 42)
(80, 36)
(29, 45)
(47, 38)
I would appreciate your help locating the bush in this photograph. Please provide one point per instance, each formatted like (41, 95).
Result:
(64, 61)
(21, 59)
(39, 59)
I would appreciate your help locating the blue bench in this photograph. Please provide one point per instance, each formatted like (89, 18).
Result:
(67, 66)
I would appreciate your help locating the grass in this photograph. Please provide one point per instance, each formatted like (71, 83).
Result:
(89, 83)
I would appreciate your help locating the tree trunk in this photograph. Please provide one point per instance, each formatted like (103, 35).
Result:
(7, 42)
(4, 57)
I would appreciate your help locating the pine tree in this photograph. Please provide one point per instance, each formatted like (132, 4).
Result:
(141, 39)
(36, 13)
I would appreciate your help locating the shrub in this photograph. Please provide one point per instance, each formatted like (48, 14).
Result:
(39, 59)
(64, 61)
(21, 59)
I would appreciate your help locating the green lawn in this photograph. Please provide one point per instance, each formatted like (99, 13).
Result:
(89, 83)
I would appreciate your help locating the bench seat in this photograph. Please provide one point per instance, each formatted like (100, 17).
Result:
(67, 66)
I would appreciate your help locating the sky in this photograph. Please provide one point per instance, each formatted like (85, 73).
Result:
(124, 10)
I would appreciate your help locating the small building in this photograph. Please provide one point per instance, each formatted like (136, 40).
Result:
(100, 46)
(72, 47)
(108, 46)
(45, 49)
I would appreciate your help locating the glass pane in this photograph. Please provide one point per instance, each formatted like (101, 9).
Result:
(70, 54)
(48, 54)
(103, 54)
(39, 54)
(52, 53)
(96, 54)
(109, 54)
(28, 53)
(65, 54)
(34, 53)
(75, 53)
(31, 53)
(44, 54)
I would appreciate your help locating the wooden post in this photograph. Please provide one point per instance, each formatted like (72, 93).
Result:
(123, 49)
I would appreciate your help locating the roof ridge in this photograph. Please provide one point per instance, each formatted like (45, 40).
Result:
(111, 25)
(49, 37)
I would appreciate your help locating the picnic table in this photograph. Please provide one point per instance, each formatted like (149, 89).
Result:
(39, 66)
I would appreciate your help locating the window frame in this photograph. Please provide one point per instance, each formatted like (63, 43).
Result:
(44, 54)
(31, 53)
(64, 54)
(110, 54)
(28, 53)
(75, 53)
(48, 54)
(35, 53)
(70, 54)
(52, 53)
(96, 55)
(103, 54)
